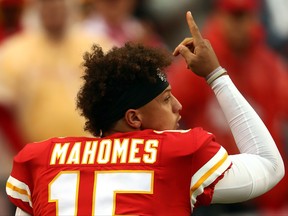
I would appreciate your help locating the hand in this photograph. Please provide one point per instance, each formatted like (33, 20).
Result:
(198, 52)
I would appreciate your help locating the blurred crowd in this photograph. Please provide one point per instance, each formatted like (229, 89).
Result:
(41, 47)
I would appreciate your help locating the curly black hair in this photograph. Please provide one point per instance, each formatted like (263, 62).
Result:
(108, 76)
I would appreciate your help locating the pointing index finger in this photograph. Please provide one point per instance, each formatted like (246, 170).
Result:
(194, 30)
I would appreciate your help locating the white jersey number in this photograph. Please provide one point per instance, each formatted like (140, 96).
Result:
(63, 189)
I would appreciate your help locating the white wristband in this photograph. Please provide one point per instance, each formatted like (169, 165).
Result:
(215, 74)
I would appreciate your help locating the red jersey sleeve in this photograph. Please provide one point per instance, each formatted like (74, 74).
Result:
(210, 162)
(19, 184)
(18, 191)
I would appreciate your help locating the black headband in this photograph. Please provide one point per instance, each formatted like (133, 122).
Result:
(135, 97)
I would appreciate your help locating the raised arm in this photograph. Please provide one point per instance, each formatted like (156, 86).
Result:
(259, 166)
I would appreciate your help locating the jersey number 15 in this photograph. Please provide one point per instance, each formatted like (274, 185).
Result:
(63, 189)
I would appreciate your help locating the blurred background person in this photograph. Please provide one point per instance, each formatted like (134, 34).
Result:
(40, 74)
(11, 12)
(235, 31)
(119, 21)
(40, 70)
(275, 19)
(167, 17)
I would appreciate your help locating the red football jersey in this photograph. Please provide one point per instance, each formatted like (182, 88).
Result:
(137, 173)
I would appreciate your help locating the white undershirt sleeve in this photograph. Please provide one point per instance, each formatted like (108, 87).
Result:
(259, 166)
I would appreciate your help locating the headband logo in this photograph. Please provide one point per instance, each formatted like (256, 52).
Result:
(161, 75)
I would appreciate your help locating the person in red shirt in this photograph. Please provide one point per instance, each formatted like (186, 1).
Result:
(139, 162)
(10, 24)
(238, 38)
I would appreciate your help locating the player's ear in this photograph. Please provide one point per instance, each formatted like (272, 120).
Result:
(133, 119)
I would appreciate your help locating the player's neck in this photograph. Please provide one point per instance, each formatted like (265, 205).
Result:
(119, 127)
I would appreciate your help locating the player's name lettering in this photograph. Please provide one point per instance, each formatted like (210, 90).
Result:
(105, 151)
